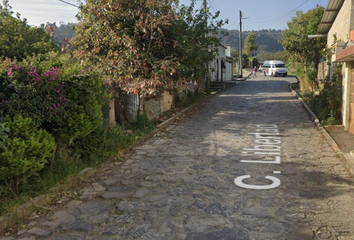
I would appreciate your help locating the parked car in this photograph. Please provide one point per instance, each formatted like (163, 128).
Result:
(274, 68)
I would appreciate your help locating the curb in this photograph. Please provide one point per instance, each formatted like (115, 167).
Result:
(346, 158)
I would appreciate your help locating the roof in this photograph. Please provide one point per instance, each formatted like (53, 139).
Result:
(330, 14)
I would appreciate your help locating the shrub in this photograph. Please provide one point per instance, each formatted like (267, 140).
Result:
(4, 135)
(95, 147)
(64, 99)
(86, 96)
(328, 104)
(26, 151)
(331, 97)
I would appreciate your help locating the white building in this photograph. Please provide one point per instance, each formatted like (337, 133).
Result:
(221, 69)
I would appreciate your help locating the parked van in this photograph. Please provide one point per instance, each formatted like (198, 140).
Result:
(274, 68)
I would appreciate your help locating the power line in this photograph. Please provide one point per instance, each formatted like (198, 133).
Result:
(212, 6)
(276, 19)
(236, 22)
(71, 4)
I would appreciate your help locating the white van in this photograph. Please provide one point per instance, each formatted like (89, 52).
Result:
(274, 68)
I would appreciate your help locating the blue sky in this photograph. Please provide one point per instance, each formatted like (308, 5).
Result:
(258, 14)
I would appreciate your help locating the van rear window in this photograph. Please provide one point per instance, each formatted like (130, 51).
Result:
(266, 66)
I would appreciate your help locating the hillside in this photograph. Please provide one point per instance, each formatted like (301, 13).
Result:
(267, 40)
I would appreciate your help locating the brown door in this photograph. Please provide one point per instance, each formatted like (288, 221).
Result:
(351, 124)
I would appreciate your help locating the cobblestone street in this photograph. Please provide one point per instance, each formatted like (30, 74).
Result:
(250, 165)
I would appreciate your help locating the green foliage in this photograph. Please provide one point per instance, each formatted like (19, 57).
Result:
(26, 151)
(95, 147)
(328, 104)
(312, 78)
(147, 46)
(266, 40)
(67, 105)
(188, 99)
(301, 50)
(142, 120)
(245, 60)
(301, 75)
(195, 39)
(61, 32)
(4, 135)
(124, 137)
(19, 40)
(86, 96)
(250, 47)
(280, 55)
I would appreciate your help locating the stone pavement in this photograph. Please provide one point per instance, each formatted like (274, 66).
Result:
(250, 165)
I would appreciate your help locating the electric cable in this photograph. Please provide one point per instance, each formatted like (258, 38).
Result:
(71, 4)
(276, 19)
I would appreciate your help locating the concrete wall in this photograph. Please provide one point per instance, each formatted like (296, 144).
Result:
(215, 66)
(342, 25)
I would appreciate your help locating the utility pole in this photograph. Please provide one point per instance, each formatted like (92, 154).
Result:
(205, 7)
(240, 45)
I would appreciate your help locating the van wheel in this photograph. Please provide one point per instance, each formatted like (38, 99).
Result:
(264, 73)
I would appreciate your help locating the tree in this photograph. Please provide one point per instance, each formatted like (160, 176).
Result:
(250, 46)
(18, 39)
(126, 41)
(144, 45)
(235, 54)
(197, 41)
(296, 43)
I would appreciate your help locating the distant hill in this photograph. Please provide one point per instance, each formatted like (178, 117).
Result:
(267, 40)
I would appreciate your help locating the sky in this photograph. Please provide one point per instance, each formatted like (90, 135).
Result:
(257, 14)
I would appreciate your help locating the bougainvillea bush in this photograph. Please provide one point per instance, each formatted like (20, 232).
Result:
(65, 99)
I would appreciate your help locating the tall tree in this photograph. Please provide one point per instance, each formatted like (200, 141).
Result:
(126, 40)
(296, 42)
(250, 46)
(197, 37)
(138, 44)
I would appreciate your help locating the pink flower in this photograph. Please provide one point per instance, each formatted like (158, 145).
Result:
(33, 75)
(53, 74)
